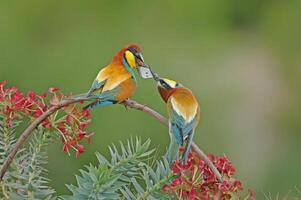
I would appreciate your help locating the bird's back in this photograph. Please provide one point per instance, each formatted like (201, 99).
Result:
(112, 75)
(183, 102)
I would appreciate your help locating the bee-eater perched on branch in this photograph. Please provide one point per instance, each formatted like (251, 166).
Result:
(184, 115)
(116, 82)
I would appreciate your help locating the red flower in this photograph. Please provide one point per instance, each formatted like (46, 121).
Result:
(31, 95)
(237, 185)
(224, 166)
(20, 104)
(251, 194)
(80, 149)
(176, 182)
(225, 186)
(37, 113)
(54, 100)
(85, 113)
(12, 89)
(80, 135)
(195, 180)
(83, 125)
(17, 96)
(175, 168)
(192, 194)
(70, 122)
(69, 119)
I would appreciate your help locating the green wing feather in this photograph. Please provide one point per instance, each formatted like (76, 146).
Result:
(182, 131)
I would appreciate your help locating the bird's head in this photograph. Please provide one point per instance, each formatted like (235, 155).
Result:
(168, 84)
(166, 87)
(131, 55)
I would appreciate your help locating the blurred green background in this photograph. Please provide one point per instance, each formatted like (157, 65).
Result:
(240, 58)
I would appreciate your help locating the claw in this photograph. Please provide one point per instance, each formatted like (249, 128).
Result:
(125, 106)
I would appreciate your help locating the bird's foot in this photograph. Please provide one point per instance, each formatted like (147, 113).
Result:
(125, 105)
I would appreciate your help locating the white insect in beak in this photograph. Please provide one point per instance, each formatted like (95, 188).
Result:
(145, 72)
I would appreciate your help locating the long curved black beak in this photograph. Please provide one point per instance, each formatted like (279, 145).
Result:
(156, 76)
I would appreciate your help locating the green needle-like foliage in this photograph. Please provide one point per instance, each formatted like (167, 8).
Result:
(150, 184)
(127, 175)
(25, 178)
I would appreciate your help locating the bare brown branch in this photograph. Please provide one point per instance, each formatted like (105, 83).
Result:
(128, 103)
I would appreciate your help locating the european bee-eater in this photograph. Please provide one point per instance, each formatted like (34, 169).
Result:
(184, 115)
(116, 82)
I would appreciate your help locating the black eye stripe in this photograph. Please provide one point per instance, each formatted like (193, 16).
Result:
(164, 84)
(134, 51)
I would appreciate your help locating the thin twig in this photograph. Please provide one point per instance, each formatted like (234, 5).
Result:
(128, 103)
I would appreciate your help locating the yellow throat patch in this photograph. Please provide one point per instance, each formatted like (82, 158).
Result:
(171, 83)
(130, 58)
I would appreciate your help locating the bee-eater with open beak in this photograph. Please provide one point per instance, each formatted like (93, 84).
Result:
(184, 115)
(116, 82)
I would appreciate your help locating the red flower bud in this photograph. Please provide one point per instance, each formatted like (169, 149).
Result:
(89, 139)
(46, 123)
(165, 188)
(69, 119)
(66, 148)
(42, 96)
(2, 84)
(54, 100)
(53, 90)
(31, 95)
(181, 149)
(251, 194)
(9, 123)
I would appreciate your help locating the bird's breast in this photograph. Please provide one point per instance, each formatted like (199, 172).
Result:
(126, 90)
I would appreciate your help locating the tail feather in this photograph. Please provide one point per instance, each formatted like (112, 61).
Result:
(84, 96)
(172, 153)
(187, 146)
(98, 103)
